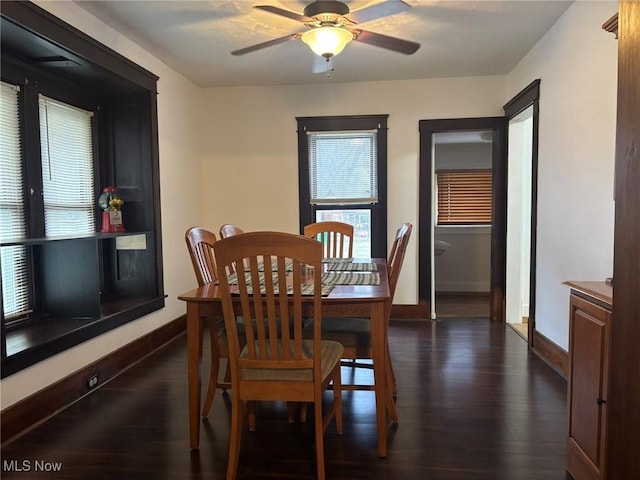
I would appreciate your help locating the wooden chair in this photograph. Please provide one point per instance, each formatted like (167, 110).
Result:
(355, 333)
(336, 238)
(227, 230)
(200, 244)
(277, 363)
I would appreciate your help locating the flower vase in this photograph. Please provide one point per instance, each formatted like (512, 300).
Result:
(110, 203)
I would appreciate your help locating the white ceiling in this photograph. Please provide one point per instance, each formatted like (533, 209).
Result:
(458, 38)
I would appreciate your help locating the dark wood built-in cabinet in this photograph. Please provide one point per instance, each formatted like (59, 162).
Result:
(589, 353)
(88, 284)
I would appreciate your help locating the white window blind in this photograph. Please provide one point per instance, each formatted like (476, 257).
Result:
(343, 167)
(15, 286)
(67, 168)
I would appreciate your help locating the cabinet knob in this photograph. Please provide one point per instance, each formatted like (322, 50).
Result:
(600, 401)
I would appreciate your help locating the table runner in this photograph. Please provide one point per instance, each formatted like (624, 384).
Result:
(306, 289)
(288, 266)
(351, 278)
(337, 260)
(233, 278)
(353, 266)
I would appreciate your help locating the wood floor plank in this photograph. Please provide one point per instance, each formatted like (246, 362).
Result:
(472, 402)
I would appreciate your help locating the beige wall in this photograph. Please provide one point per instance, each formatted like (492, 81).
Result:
(577, 64)
(240, 164)
(253, 147)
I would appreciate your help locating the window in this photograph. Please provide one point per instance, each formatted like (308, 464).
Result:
(15, 286)
(342, 168)
(75, 282)
(464, 197)
(67, 177)
(67, 168)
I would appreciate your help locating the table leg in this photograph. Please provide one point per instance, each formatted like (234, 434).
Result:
(194, 362)
(379, 352)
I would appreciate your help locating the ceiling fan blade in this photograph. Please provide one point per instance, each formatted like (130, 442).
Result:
(269, 43)
(284, 13)
(378, 10)
(385, 41)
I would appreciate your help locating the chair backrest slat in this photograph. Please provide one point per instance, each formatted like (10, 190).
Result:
(270, 294)
(200, 245)
(396, 256)
(227, 230)
(336, 238)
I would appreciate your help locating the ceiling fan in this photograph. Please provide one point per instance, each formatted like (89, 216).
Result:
(331, 26)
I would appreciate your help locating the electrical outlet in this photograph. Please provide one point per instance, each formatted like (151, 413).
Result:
(92, 382)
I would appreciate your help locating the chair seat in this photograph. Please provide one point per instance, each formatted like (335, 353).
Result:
(331, 353)
(350, 332)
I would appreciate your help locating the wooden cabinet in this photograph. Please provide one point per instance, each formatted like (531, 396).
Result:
(589, 342)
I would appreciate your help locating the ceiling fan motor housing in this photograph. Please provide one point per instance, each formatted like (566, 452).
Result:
(326, 11)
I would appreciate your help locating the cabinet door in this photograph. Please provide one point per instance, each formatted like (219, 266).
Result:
(70, 279)
(589, 350)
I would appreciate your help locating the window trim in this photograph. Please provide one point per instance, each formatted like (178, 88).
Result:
(19, 258)
(345, 123)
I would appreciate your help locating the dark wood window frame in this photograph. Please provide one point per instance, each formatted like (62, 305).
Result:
(345, 123)
(124, 284)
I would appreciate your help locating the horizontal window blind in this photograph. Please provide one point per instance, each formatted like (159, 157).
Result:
(67, 168)
(464, 197)
(15, 286)
(343, 167)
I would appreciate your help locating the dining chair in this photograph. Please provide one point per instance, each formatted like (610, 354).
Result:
(200, 245)
(355, 333)
(228, 230)
(277, 363)
(336, 238)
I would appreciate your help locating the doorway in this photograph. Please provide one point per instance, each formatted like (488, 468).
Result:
(462, 226)
(431, 131)
(519, 221)
(522, 160)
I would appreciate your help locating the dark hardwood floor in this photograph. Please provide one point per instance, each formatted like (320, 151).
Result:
(472, 402)
(462, 305)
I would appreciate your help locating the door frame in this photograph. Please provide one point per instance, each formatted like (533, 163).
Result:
(529, 96)
(498, 125)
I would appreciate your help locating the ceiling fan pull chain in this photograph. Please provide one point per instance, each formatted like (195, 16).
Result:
(329, 66)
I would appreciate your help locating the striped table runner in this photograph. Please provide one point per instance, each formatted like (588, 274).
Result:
(351, 278)
(353, 266)
(233, 278)
(337, 260)
(306, 290)
(288, 266)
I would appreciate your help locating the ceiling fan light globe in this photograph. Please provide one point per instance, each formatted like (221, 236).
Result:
(327, 41)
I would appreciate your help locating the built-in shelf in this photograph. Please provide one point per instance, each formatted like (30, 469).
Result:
(86, 236)
(82, 286)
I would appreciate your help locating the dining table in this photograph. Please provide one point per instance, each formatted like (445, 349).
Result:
(371, 301)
